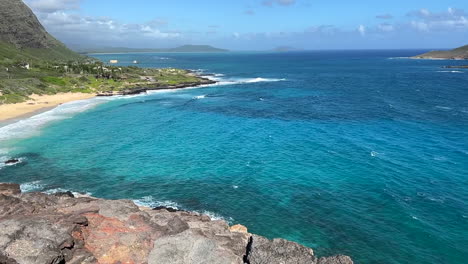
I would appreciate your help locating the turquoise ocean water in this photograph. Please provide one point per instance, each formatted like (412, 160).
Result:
(361, 153)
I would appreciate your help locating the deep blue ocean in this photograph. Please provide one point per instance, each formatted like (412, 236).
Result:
(362, 153)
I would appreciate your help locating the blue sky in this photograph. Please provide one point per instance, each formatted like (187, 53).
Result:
(257, 24)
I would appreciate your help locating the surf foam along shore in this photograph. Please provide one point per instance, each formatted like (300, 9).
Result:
(31, 125)
(38, 102)
(65, 229)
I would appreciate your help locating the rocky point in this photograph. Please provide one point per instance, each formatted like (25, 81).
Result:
(51, 229)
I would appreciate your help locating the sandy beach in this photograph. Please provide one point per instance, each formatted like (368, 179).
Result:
(38, 103)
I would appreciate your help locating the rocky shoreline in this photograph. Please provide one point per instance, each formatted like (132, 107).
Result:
(51, 229)
(152, 87)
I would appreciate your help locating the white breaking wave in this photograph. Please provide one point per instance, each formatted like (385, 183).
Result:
(199, 97)
(76, 194)
(31, 186)
(451, 71)
(149, 201)
(32, 125)
(259, 79)
(226, 81)
(27, 127)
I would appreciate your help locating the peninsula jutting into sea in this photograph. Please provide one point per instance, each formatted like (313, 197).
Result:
(215, 132)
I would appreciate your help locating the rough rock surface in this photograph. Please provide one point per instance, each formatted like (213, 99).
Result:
(20, 27)
(22, 35)
(52, 229)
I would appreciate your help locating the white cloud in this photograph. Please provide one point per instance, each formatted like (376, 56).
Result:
(279, 2)
(50, 6)
(362, 30)
(385, 27)
(452, 19)
(59, 18)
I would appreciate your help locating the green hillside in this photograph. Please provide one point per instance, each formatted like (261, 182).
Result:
(458, 53)
(22, 37)
(34, 62)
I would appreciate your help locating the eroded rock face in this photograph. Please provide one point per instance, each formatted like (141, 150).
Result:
(53, 229)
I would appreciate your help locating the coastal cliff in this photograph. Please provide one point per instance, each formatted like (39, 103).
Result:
(60, 228)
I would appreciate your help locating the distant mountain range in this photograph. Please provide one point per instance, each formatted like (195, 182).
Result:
(23, 37)
(460, 53)
(185, 48)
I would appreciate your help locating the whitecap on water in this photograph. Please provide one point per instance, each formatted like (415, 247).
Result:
(374, 153)
(215, 216)
(61, 190)
(446, 108)
(31, 186)
(232, 81)
(149, 201)
(451, 71)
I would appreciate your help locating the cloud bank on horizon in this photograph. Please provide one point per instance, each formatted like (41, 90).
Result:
(256, 24)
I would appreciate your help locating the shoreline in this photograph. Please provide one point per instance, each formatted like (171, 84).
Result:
(10, 113)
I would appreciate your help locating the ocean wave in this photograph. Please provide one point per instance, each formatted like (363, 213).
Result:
(31, 186)
(233, 81)
(443, 107)
(27, 127)
(30, 126)
(61, 190)
(149, 201)
(451, 71)
(198, 97)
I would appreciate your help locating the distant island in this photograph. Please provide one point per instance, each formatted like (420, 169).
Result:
(460, 53)
(184, 48)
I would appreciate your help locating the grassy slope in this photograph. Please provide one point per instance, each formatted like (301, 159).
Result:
(81, 75)
(461, 52)
(9, 53)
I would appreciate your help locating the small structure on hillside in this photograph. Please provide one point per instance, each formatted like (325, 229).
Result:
(25, 66)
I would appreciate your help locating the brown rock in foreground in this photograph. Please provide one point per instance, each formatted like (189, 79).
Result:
(52, 229)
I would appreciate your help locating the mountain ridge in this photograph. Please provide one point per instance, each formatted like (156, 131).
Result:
(22, 36)
(183, 48)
